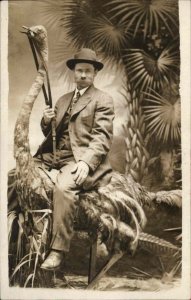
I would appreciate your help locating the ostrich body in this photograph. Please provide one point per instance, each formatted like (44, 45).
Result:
(115, 211)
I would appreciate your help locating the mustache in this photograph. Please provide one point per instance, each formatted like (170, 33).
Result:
(83, 80)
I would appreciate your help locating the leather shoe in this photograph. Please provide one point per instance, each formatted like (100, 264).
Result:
(53, 261)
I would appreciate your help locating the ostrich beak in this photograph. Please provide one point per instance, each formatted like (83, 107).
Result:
(29, 31)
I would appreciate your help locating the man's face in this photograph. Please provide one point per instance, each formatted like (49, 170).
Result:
(84, 75)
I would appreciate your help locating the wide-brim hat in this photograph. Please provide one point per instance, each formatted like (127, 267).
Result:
(85, 55)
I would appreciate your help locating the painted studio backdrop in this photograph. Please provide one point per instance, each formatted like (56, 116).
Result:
(138, 42)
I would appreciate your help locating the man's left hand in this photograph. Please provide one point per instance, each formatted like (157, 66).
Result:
(81, 170)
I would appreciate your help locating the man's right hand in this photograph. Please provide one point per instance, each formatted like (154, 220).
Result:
(48, 114)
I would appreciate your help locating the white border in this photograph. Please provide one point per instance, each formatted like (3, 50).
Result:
(179, 293)
(185, 90)
(4, 86)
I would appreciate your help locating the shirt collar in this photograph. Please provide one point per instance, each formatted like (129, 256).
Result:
(82, 91)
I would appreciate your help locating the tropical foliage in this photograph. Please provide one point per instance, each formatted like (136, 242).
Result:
(163, 117)
(140, 37)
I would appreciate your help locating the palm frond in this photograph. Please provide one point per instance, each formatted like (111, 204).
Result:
(20, 236)
(53, 12)
(11, 217)
(35, 268)
(85, 28)
(141, 271)
(163, 117)
(146, 14)
(18, 267)
(107, 36)
(77, 28)
(146, 72)
(62, 50)
(28, 279)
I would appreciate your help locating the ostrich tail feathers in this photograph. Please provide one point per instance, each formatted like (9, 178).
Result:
(127, 237)
(117, 200)
(89, 211)
(129, 203)
(108, 230)
(133, 189)
(122, 207)
(117, 235)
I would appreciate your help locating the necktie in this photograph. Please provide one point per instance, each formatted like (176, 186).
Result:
(74, 101)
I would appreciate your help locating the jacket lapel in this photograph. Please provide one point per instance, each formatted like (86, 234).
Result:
(83, 100)
(63, 108)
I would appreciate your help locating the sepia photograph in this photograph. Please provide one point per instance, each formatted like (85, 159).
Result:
(95, 149)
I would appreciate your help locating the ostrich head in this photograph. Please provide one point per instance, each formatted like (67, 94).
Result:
(38, 34)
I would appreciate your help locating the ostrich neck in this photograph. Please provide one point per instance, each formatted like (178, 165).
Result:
(21, 133)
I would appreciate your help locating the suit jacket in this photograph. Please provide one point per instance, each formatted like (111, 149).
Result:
(90, 131)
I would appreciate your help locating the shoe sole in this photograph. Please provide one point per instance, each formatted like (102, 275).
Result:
(50, 269)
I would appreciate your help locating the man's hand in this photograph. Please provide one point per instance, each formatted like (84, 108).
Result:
(81, 170)
(48, 114)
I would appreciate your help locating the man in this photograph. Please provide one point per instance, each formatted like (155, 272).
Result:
(84, 129)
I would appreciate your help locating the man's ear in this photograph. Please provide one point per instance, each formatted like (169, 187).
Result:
(96, 71)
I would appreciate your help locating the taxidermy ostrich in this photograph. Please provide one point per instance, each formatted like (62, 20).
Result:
(114, 212)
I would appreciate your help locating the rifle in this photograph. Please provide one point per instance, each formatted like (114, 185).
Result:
(48, 98)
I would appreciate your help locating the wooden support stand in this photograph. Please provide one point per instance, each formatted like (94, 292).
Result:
(92, 262)
(93, 278)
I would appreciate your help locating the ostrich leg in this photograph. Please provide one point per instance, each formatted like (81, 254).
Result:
(114, 258)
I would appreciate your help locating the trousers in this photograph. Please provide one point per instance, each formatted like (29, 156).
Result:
(65, 201)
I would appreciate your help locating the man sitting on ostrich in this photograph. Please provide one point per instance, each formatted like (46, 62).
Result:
(84, 128)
